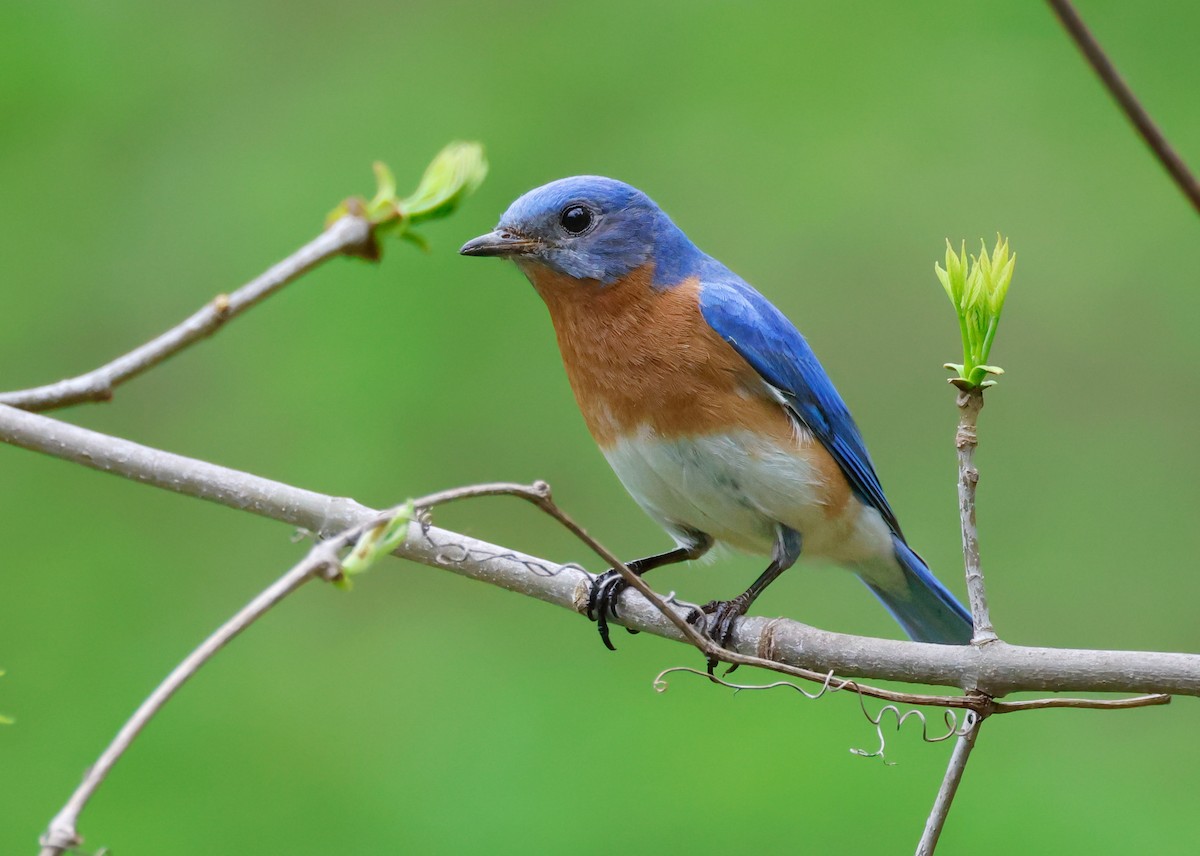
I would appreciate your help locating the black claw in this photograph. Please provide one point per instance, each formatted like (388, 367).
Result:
(602, 602)
(602, 626)
(606, 589)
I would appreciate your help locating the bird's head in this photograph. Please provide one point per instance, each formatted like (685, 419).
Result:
(589, 228)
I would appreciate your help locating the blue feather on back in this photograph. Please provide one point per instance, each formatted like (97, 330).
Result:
(775, 348)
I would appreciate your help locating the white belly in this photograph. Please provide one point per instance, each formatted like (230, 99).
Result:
(738, 488)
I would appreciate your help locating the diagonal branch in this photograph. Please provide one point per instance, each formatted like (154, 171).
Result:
(941, 805)
(1128, 102)
(995, 669)
(62, 835)
(346, 235)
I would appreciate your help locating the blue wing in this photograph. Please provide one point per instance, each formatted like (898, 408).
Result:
(774, 347)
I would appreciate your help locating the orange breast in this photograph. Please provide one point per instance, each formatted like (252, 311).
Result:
(640, 356)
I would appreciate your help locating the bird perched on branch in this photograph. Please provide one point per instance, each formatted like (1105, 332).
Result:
(708, 403)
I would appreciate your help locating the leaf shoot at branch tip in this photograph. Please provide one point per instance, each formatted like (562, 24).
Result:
(453, 175)
(977, 289)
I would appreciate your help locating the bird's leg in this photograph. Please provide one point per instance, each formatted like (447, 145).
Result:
(722, 613)
(607, 588)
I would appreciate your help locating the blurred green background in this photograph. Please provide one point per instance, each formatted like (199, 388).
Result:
(151, 157)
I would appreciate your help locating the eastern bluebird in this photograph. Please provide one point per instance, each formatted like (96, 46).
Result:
(709, 405)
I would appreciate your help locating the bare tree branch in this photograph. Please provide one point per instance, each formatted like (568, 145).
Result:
(995, 669)
(347, 235)
(954, 772)
(1124, 96)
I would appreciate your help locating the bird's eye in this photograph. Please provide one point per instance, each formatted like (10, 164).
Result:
(575, 219)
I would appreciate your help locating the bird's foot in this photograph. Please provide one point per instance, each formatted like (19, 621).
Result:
(602, 602)
(715, 620)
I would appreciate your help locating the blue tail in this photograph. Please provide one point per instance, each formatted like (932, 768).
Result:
(924, 607)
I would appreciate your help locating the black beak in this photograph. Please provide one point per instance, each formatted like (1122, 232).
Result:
(500, 242)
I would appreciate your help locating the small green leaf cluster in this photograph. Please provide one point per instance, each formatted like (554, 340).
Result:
(453, 175)
(977, 288)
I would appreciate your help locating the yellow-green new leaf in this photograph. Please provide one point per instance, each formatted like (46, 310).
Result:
(454, 174)
(978, 289)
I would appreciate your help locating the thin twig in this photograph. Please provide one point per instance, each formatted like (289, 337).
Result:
(995, 669)
(970, 402)
(1151, 700)
(945, 797)
(1129, 103)
(346, 235)
(322, 560)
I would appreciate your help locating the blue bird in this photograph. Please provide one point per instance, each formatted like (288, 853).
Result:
(710, 406)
